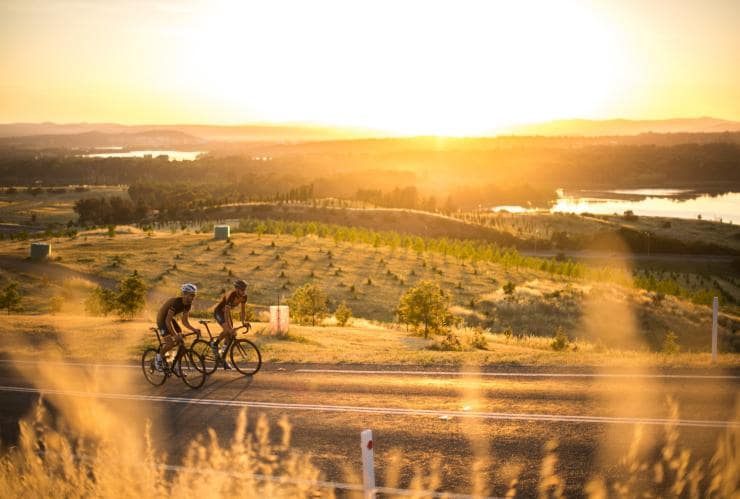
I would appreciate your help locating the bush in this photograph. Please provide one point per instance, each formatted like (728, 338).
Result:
(343, 314)
(101, 301)
(55, 304)
(478, 340)
(308, 304)
(10, 297)
(670, 344)
(131, 297)
(127, 301)
(450, 342)
(560, 341)
(425, 307)
(509, 288)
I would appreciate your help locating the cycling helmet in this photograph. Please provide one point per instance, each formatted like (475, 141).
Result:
(189, 288)
(241, 284)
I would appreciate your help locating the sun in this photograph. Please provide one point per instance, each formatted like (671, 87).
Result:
(406, 67)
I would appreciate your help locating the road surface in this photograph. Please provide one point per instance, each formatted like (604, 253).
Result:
(506, 417)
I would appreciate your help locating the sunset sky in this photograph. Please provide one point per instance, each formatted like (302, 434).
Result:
(405, 66)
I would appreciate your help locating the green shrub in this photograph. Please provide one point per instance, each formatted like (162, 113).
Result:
(343, 314)
(509, 288)
(101, 301)
(308, 304)
(10, 297)
(426, 307)
(449, 342)
(478, 340)
(670, 344)
(131, 297)
(55, 304)
(560, 341)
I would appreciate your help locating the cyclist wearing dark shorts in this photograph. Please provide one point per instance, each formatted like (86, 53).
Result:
(222, 312)
(166, 323)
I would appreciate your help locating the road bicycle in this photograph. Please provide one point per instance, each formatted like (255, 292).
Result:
(186, 364)
(244, 355)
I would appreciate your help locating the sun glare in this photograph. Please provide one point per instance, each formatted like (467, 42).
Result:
(408, 67)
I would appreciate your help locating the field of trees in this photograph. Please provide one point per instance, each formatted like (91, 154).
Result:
(489, 288)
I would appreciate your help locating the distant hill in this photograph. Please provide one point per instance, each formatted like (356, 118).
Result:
(594, 128)
(603, 131)
(91, 139)
(254, 133)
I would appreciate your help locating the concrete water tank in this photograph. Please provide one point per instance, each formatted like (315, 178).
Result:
(40, 251)
(221, 232)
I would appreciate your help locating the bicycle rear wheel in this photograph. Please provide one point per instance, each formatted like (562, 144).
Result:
(192, 369)
(153, 375)
(246, 357)
(210, 361)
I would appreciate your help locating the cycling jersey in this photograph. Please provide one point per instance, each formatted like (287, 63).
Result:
(177, 306)
(231, 300)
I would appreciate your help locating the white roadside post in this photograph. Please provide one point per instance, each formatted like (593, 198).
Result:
(715, 312)
(368, 464)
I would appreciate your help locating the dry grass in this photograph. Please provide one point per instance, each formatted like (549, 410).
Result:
(68, 460)
(108, 340)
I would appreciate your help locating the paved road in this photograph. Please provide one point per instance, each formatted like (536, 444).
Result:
(506, 418)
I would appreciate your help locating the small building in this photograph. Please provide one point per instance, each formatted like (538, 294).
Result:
(221, 232)
(40, 251)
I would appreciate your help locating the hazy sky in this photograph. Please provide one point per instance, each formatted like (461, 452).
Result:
(403, 65)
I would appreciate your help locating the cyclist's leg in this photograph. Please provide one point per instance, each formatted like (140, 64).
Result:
(169, 340)
(226, 331)
(224, 339)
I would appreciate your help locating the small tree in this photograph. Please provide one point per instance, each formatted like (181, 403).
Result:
(55, 304)
(10, 297)
(131, 297)
(309, 303)
(343, 314)
(509, 288)
(560, 341)
(670, 344)
(426, 307)
(101, 301)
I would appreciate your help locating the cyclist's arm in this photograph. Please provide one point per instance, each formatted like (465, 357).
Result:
(243, 312)
(168, 322)
(186, 321)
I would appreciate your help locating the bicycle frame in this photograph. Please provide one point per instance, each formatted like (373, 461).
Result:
(180, 344)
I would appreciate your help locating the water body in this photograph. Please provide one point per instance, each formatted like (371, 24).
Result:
(171, 155)
(675, 203)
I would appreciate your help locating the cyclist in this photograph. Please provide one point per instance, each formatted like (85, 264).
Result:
(222, 314)
(168, 326)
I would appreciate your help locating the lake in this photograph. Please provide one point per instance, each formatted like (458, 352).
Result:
(678, 203)
(172, 155)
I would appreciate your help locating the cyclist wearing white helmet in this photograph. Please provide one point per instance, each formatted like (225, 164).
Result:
(166, 323)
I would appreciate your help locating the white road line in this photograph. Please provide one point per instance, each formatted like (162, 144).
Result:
(560, 418)
(75, 364)
(420, 373)
(518, 375)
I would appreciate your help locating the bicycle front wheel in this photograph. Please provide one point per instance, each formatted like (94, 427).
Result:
(245, 356)
(192, 369)
(153, 375)
(210, 361)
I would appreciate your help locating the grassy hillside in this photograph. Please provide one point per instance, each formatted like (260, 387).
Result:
(41, 208)
(369, 279)
(97, 339)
